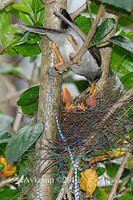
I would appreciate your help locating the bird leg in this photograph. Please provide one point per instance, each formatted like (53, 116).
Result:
(61, 61)
(58, 65)
(71, 40)
(72, 55)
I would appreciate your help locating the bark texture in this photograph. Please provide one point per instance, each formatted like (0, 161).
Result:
(47, 61)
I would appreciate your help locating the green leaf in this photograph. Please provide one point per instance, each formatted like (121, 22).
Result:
(4, 22)
(127, 34)
(29, 38)
(22, 8)
(125, 196)
(9, 37)
(104, 29)
(28, 49)
(31, 109)
(5, 137)
(33, 38)
(29, 96)
(124, 5)
(23, 39)
(11, 10)
(112, 169)
(7, 194)
(100, 171)
(127, 80)
(29, 101)
(81, 85)
(12, 70)
(1, 166)
(123, 42)
(36, 14)
(9, 7)
(35, 4)
(40, 17)
(122, 61)
(24, 166)
(21, 142)
(131, 134)
(84, 23)
(5, 122)
(40, 7)
(130, 162)
(125, 20)
(26, 18)
(101, 194)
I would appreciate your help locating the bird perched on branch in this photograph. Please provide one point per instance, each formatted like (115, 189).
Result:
(67, 40)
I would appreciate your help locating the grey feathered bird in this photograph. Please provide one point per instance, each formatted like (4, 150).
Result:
(90, 65)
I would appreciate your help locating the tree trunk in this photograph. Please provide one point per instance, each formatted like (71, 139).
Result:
(44, 190)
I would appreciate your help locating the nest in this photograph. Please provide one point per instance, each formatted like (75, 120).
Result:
(88, 131)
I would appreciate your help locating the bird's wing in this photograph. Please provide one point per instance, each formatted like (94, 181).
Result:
(65, 17)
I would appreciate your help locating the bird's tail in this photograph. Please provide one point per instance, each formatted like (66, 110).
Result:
(36, 29)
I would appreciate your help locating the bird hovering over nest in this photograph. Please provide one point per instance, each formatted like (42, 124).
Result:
(67, 40)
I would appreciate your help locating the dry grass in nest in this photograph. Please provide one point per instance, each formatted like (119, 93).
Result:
(85, 130)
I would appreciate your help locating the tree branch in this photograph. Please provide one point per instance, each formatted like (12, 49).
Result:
(84, 48)
(9, 180)
(118, 175)
(14, 95)
(79, 10)
(5, 3)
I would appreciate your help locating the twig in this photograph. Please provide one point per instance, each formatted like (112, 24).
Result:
(69, 196)
(118, 104)
(118, 175)
(5, 3)
(84, 48)
(11, 88)
(79, 10)
(17, 120)
(18, 93)
(9, 180)
(126, 190)
(125, 112)
(123, 188)
(65, 184)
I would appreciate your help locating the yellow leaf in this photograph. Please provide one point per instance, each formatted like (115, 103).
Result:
(88, 181)
(8, 170)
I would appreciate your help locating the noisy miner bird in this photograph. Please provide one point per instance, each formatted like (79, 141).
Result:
(69, 39)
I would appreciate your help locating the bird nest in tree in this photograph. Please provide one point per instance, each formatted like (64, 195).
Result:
(92, 134)
(89, 131)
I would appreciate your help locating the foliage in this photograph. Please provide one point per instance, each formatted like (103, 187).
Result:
(29, 101)
(21, 141)
(119, 4)
(7, 193)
